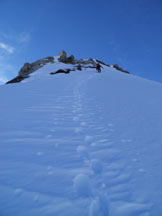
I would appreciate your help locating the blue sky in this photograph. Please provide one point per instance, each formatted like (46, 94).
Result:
(121, 32)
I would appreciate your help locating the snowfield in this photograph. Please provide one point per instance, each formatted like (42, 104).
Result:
(81, 144)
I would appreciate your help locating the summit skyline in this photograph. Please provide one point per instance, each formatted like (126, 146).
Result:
(127, 33)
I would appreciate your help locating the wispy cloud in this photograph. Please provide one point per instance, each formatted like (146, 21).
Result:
(11, 46)
(7, 48)
(5, 67)
(18, 41)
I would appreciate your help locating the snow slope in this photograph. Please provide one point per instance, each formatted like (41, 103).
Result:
(81, 144)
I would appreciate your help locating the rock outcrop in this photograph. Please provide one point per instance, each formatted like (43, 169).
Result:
(86, 62)
(101, 62)
(25, 69)
(67, 71)
(30, 68)
(80, 64)
(62, 56)
(119, 68)
(17, 79)
(64, 59)
(70, 60)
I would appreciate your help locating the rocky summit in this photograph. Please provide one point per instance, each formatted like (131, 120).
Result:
(62, 57)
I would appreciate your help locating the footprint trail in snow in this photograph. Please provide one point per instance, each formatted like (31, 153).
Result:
(68, 158)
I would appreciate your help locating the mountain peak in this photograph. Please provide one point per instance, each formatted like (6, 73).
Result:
(62, 57)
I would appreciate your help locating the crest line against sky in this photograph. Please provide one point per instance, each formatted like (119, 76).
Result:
(123, 32)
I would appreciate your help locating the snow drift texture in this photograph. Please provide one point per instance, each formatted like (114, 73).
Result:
(81, 144)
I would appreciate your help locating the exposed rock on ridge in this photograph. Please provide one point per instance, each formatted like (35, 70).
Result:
(29, 68)
(119, 68)
(64, 59)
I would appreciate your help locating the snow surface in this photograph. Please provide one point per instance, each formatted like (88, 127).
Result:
(81, 144)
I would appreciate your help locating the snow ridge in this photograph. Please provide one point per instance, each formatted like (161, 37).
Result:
(79, 144)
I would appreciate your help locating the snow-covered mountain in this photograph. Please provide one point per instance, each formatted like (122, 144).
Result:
(80, 143)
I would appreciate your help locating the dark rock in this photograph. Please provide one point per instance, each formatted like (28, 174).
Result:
(62, 56)
(100, 62)
(85, 62)
(25, 69)
(119, 68)
(17, 79)
(50, 59)
(67, 71)
(70, 60)
(30, 68)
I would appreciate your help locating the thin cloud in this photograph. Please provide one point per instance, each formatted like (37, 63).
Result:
(7, 53)
(7, 48)
(16, 38)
